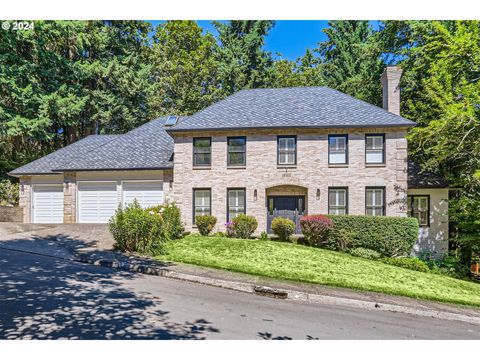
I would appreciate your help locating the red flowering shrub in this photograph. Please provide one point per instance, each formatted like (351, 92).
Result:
(315, 228)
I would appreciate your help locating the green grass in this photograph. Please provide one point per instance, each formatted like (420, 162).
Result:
(301, 263)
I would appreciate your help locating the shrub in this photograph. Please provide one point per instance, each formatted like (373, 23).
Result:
(449, 264)
(408, 263)
(9, 192)
(283, 228)
(244, 226)
(264, 236)
(137, 230)
(390, 236)
(172, 219)
(205, 224)
(315, 228)
(365, 253)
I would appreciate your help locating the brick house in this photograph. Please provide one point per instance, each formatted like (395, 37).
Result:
(265, 152)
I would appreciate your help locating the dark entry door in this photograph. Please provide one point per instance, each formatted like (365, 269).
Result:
(289, 207)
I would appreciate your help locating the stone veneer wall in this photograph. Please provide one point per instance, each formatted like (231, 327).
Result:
(311, 172)
(69, 198)
(11, 214)
(24, 198)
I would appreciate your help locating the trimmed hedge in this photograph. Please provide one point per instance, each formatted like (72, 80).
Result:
(244, 226)
(390, 236)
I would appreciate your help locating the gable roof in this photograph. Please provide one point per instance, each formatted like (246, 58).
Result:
(419, 179)
(46, 164)
(299, 107)
(146, 147)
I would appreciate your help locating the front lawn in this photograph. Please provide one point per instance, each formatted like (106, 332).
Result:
(301, 263)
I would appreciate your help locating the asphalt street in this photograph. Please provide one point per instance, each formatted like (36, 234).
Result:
(45, 297)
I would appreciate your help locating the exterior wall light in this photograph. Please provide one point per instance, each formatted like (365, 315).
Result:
(255, 195)
(318, 194)
(171, 184)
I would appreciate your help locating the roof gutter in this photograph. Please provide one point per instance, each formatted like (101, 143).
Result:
(176, 130)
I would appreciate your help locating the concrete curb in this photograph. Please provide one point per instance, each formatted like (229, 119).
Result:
(290, 295)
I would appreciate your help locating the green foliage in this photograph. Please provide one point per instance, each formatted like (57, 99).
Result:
(244, 226)
(172, 219)
(283, 228)
(8, 193)
(351, 59)
(184, 69)
(408, 263)
(264, 236)
(315, 228)
(138, 230)
(452, 264)
(243, 63)
(205, 224)
(390, 236)
(365, 253)
(441, 92)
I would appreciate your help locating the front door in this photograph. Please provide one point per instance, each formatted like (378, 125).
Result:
(289, 207)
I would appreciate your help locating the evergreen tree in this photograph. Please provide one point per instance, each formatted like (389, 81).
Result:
(243, 63)
(351, 59)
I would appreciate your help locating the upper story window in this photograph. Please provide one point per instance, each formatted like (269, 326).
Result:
(237, 151)
(419, 208)
(202, 151)
(287, 150)
(337, 149)
(338, 201)
(375, 148)
(375, 201)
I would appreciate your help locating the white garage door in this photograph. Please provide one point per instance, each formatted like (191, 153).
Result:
(47, 204)
(97, 201)
(148, 193)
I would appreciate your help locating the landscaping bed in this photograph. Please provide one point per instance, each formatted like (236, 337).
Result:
(281, 260)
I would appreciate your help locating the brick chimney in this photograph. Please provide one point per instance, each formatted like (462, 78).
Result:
(391, 89)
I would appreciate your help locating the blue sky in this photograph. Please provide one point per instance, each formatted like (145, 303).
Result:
(291, 38)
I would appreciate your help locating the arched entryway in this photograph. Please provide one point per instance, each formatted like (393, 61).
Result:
(287, 201)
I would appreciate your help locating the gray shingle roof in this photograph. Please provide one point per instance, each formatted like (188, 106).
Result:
(308, 107)
(46, 164)
(146, 147)
(418, 179)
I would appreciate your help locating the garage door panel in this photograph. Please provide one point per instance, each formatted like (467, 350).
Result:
(48, 204)
(148, 193)
(97, 201)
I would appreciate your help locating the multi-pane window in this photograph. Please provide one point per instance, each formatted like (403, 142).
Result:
(338, 201)
(287, 150)
(236, 203)
(201, 202)
(337, 149)
(419, 208)
(236, 151)
(375, 149)
(202, 151)
(375, 201)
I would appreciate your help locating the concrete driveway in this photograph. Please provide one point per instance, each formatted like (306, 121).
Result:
(62, 240)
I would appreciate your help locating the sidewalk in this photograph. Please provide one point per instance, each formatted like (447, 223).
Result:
(70, 247)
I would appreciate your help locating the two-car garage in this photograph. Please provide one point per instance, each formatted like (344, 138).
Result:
(98, 200)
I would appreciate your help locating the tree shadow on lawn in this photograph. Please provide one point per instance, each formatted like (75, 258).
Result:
(52, 298)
